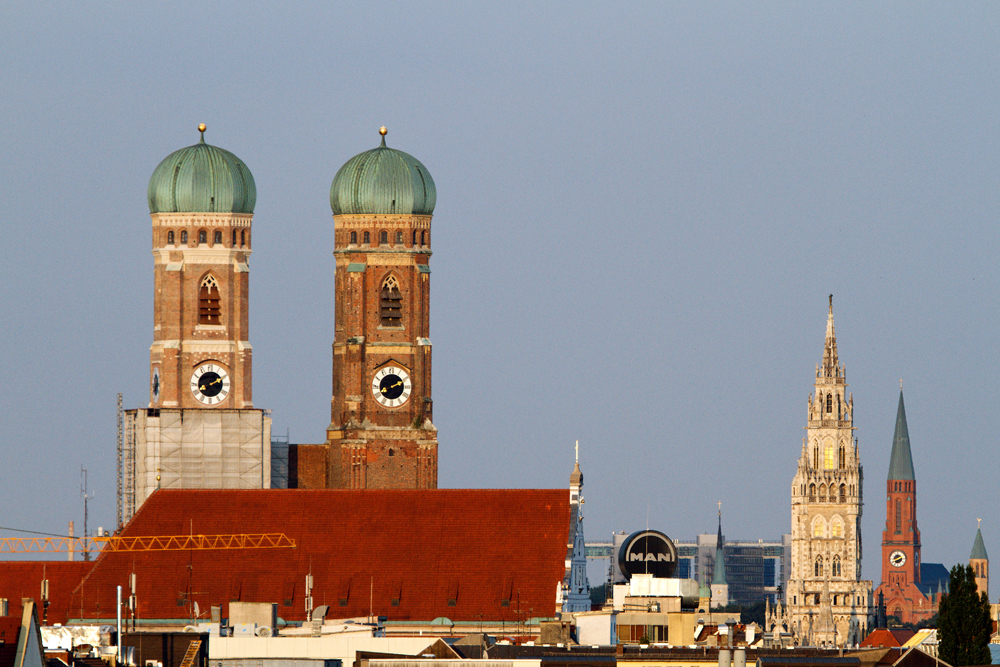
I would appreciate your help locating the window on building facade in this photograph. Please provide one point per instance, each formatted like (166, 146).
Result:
(243, 239)
(828, 461)
(354, 238)
(184, 237)
(218, 237)
(234, 238)
(829, 402)
(368, 237)
(170, 238)
(818, 567)
(899, 517)
(383, 237)
(399, 237)
(202, 236)
(842, 459)
(843, 493)
(208, 301)
(392, 303)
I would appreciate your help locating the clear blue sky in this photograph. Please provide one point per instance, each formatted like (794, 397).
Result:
(641, 211)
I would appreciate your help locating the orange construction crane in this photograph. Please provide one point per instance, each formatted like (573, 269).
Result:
(26, 545)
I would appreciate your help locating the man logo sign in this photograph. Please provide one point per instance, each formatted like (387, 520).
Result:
(648, 552)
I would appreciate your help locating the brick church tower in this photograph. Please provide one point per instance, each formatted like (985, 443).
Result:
(901, 576)
(200, 429)
(827, 602)
(380, 433)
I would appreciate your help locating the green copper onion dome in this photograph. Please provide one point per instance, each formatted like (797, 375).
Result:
(383, 180)
(201, 179)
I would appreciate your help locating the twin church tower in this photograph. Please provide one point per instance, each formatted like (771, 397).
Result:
(200, 429)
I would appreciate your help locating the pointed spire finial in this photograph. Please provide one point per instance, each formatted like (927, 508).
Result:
(979, 523)
(831, 304)
(577, 451)
(383, 132)
(201, 128)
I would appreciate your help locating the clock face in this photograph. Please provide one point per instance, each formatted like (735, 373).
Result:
(210, 384)
(156, 385)
(391, 386)
(897, 559)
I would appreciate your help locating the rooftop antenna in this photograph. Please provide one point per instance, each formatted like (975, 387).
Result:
(86, 497)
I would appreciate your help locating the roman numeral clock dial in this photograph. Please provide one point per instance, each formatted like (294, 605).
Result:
(391, 386)
(210, 384)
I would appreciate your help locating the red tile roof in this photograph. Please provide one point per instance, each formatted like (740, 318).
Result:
(403, 554)
(23, 579)
(884, 638)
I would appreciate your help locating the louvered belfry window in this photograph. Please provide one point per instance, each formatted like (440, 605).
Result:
(392, 303)
(208, 301)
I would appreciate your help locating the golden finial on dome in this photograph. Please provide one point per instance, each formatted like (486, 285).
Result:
(202, 127)
(383, 131)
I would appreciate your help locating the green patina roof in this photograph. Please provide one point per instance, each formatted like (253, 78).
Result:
(978, 548)
(383, 180)
(901, 462)
(201, 179)
(719, 574)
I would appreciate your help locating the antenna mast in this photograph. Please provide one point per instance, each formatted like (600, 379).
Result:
(86, 497)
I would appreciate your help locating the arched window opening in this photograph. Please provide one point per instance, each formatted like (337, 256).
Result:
(818, 567)
(218, 238)
(414, 237)
(843, 493)
(836, 568)
(815, 457)
(828, 461)
(842, 459)
(399, 237)
(383, 237)
(822, 493)
(354, 238)
(234, 238)
(829, 402)
(392, 303)
(184, 237)
(243, 238)
(818, 528)
(835, 565)
(422, 238)
(170, 238)
(368, 238)
(899, 517)
(202, 236)
(208, 301)
(812, 493)
(838, 407)
(838, 529)
(391, 453)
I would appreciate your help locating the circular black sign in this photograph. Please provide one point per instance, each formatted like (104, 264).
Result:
(648, 552)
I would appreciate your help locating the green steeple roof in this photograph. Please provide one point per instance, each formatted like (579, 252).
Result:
(383, 180)
(978, 548)
(201, 179)
(719, 574)
(901, 461)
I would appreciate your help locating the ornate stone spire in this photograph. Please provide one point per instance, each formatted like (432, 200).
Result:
(831, 361)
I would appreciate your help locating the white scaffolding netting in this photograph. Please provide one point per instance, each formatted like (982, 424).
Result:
(201, 449)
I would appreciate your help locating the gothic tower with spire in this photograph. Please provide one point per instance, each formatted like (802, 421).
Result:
(576, 587)
(827, 602)
(906, 596)
(980, 563)
(720, 586)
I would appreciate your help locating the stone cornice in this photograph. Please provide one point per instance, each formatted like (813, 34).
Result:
(201, 219)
